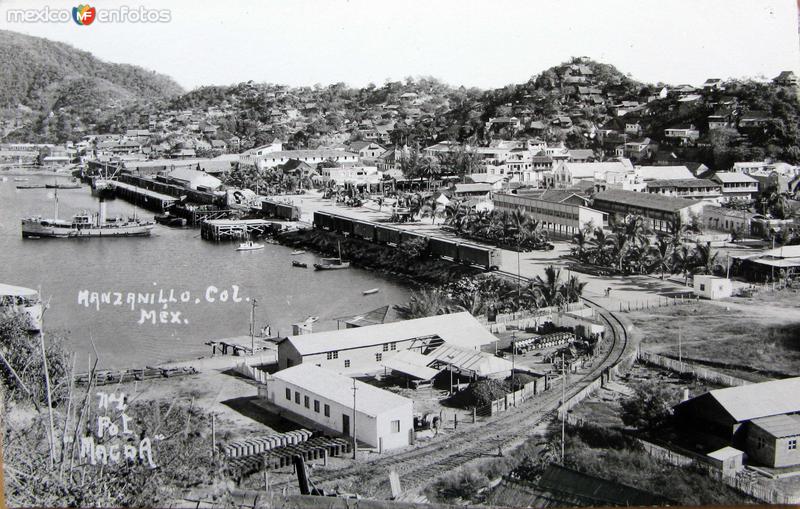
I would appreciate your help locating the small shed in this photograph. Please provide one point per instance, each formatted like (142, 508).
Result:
(712, 287)
(728, 459)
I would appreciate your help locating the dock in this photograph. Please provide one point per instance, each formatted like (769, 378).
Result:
(142, 197)
(236, 229)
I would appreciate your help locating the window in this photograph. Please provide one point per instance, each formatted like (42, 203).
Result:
(761, 442)
(327, 410)
(393, 346)
(378, 357)
(316, 406)
(792, 444)
(386, 347)
(347, 363)
(306, 401)
(395, 426)
(289, 394)
(297, 397)
(702, 287)
(333, 355)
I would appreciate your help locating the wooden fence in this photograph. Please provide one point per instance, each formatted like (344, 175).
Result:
(513, 399)
(683, 367)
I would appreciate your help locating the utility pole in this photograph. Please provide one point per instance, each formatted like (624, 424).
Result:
(680, 346)
(253, 328)
(563, 403)
(513, 364)
(355, 442)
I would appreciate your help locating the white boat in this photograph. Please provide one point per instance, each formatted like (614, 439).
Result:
(21, 179)
(294, 253)
(17, 299)
(85, 225)
(371, 291)
(249, 246)
(332, 263)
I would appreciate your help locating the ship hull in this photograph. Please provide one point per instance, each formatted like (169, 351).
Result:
(33, 229)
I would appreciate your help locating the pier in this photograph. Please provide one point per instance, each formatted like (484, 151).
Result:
(235, 229)
(142, 197)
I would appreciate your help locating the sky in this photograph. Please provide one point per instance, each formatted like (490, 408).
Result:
(488, 43)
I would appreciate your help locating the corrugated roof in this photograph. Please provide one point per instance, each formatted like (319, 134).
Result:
(644, 200)
(748, 402)
(339, 389)
(482, 363)
(587, 170)
(692, 182)
(779, 426)
(725, 453)
(664, 172)
(460, 329)
(727, 177)
(411, 363)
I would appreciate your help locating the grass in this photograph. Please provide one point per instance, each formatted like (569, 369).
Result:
(748, 338)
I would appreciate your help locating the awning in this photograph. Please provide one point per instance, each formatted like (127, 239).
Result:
(412, 364)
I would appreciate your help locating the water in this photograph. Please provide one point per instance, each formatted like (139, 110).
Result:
(171, 259)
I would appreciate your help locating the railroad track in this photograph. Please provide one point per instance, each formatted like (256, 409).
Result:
(423, 465)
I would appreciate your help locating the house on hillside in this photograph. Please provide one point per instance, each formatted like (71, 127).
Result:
(682, 134)
(787, 79)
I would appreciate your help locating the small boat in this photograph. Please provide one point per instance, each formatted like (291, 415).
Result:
(302, 265)
(30, 186)
(168, 219)
(21, 179)
(63, 186)
(294, 253)
(332, 263)
(311, 319)
(249, 246)
(371, 291)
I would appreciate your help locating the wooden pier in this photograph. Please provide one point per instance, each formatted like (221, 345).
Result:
(236, 229)
(142, 197)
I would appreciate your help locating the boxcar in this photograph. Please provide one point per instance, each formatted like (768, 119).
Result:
(269, 208)
(486, 257)
(364, 230)
(387, 235)
(343, 224)
(286, 211)
(444, 247)
(407, 235)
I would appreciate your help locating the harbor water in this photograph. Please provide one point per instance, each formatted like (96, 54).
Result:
(143, 301)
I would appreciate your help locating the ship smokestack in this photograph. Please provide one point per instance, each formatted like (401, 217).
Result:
(102, 218)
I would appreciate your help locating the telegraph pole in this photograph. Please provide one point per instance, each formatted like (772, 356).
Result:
(253, 328)
(355, 442)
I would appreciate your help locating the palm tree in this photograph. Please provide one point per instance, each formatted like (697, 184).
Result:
(549, 286)
(703, 260)
(660, 254)
(581, 241)
(428, 302)
(572, 290)
(682, 262)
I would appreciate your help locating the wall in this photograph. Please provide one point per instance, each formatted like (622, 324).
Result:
(368, 428)
(362, 360)
(699, 372)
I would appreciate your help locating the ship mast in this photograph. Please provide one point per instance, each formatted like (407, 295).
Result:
(55, 204)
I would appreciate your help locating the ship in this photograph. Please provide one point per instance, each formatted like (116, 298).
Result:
(85, 225)
(17, 299)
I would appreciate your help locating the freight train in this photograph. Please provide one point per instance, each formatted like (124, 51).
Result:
(488, 258)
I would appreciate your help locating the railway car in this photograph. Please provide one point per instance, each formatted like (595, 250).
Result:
(406, 235)
(286, 211)
(343, 225)
(364, 230)
(387, 234)
(268, 208)
(443, 248)
(485, 257)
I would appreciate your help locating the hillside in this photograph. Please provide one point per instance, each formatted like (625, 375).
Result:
(39, 76)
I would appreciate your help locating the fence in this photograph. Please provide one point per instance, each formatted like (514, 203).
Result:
(252, 372)
(513, 399)
(656, 302)
(683, 367)
(534, 318)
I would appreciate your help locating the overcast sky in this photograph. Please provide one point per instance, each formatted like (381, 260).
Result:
(486, 43)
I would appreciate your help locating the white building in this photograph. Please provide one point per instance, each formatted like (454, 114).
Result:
(736, 186)
(254, 155)
(310, 393)
(312, 157)
(712, 287)
(362, 350)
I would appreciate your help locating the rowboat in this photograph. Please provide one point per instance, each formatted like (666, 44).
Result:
(371, 291)
(302, 265)
(294, 253)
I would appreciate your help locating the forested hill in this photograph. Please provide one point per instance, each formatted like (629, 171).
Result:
(47, 76)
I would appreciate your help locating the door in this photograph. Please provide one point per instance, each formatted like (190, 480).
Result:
(346, 425)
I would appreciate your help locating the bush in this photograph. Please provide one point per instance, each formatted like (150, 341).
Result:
(649, 408)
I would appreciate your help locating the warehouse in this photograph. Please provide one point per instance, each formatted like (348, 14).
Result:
(363, 349)
(559, 212)
(658, 210)
(306, 393)
(760, 419)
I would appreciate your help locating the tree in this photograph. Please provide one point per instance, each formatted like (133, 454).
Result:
(428, 302)
(649, 408)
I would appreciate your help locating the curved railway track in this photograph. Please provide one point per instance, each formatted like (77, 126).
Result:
(421, 466)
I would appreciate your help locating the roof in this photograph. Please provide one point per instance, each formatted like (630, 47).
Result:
(482, 363)
(195, 178)
(644, 200)
(373, 317)
(17, 291)
(692, 182)
(551, 195)
(725, 453)
(779, 426)
(306, 154)
(473, 188)
(728, 177)
(664, 172)
(486, 178)
(339, 389)
(748, 402)
(457, 328)
(588, 170)
(411, 363)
